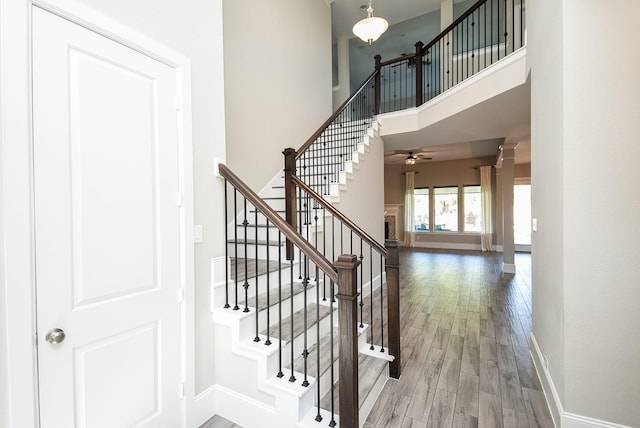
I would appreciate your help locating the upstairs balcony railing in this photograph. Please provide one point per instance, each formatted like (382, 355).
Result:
(483, 35)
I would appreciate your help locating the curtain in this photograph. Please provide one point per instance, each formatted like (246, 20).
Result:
(486, 237)
(409, 227)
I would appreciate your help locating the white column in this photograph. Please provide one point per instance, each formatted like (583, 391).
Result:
(508, 167)
(344, 80)
(446, 14)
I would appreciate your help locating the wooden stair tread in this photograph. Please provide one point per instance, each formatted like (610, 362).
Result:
(369, 370)
(263, 268)
(298, 321)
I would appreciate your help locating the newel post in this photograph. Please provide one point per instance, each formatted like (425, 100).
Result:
(347, 318)
(393, 304)
(290, 194)
(378, 59)
(418, 74)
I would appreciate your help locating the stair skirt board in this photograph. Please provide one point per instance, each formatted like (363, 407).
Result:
(239, 409)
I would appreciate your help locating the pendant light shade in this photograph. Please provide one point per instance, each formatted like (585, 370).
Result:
(371, 28)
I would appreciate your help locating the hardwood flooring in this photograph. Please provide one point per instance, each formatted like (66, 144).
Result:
(465, 338)
(465, 345)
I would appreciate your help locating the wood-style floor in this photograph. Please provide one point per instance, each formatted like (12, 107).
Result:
(465, 346)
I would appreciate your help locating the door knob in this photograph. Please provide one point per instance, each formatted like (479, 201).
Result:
(55, 336)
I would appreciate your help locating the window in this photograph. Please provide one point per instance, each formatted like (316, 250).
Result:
(472, 209)
(421, 209)
(446, 208)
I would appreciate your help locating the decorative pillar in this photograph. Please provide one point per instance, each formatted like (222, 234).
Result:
(507, 156)
(446, 14)
(347, 266)
(344, 82)
(393, 305)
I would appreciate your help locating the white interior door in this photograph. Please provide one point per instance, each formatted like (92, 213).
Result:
(108, 275)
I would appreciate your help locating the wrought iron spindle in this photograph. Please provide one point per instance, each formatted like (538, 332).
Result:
(226, 245)
(245, 223)
(318, 417)
(361, 284)
(268, 341)
(255, 227)
(305, 352)
(381, 310)
(235, 245)
(280, 373)
(292, 378)
(371, 294)
(333, 380)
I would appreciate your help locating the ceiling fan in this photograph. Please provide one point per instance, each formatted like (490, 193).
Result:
(409, 157)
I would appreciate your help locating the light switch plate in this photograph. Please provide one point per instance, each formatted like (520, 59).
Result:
(197, 233)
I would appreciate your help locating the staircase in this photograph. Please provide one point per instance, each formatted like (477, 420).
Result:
(309, 304)
(290, 331)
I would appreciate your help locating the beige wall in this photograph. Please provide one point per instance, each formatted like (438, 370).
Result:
(585, 198)
(277, 81)
(446, 173)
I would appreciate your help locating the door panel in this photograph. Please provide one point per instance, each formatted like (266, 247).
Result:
(107, 230)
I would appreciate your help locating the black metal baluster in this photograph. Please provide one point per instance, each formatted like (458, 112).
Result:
(280, 373)
(268, 341)
(255, 225)
(361, 285)
(506, 28)
(235, 244)
(381, 310)
(324, 253)
(371, 294)
(245, 223)
(333, 421)
(318, 370)
(292, 378)
(226, 246)
(305, 352)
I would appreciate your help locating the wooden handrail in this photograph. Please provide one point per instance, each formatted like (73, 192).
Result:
(438, 37)
(291, 234)
(344, 219)
(453, 24)
(333, 117)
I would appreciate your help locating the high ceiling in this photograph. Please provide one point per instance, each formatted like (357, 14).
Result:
(476, 132)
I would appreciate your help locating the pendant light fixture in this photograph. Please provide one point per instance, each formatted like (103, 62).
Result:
(370, 28)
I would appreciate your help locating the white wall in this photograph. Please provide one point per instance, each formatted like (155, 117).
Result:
(544, 52)
(196, 32)
(601, 112)
(363, 200)
(277, 81)
(586, 199)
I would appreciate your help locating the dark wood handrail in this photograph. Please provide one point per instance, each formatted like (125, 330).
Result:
(333, 117)
(439, 36)
(350, 224)
(453, 24)
(398, 59)
(314, 255)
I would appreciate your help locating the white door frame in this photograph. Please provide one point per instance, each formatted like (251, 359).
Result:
(18, 376)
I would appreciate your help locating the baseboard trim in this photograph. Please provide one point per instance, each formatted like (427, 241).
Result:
(570, 420)
(239, 409)
(447, 246)
(548, 387)
(565, 419)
